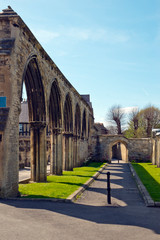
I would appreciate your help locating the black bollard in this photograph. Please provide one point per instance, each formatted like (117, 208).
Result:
(108, 188)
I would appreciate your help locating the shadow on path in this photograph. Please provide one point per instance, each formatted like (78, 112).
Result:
(93, 207)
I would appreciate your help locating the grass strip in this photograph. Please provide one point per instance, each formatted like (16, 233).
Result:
(150, 177)
(60, 186)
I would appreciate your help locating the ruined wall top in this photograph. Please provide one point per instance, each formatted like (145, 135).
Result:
(8, 12)
(7, 41)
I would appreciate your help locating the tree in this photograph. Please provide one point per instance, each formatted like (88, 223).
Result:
(116, 114)
(140, 132)
(151, 117)
(142, 122)
(112, 129)
(134, 117)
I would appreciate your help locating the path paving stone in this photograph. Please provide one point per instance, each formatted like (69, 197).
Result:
(124, 191)
(90, 217)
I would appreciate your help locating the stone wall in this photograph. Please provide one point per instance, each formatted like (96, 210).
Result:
(156, 151)
(22, 59)
(140, 149)
(130, 149)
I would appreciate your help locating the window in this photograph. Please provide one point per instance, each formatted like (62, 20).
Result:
(21, 128)
(2, 101)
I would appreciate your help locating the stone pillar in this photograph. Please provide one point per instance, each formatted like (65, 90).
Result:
(70, 152)
(38, 152)
(158, 152)
(59, 150)
(68, 165)
(66, 149)
(53, 154)
(56, 152)
(77, 151)
(153, 152)
(74, 151)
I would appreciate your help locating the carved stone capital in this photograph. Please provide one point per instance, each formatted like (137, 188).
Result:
(37, 125)
(68, 134)
(57, 131)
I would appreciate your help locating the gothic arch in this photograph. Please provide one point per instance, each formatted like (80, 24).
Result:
(35, 91)
(77, 134)
(55, 114)
(37, 118)
(124, 151)
(89, 125)
(68, 117)
(68, 134)
(77, 120)
(55, 119)
(84, 127)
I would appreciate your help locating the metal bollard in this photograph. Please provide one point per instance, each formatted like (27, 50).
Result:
(108, 188)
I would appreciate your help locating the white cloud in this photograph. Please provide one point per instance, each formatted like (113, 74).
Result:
(83, 34)
(45, 36)
(108, 35)
(128, 110)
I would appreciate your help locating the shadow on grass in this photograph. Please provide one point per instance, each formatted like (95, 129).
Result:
(149, 182)
(68, 183)
(136, 215)
(76, 175)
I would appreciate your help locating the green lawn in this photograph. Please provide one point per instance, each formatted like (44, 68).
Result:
(150, 177)
(60, 186)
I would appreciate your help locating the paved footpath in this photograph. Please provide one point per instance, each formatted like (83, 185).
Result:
(127, 218)
(25, 173)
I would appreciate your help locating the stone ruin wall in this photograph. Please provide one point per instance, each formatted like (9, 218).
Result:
(17, 46)
(138, 149)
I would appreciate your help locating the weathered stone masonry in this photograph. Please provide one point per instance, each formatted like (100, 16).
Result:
(131, 149)
(52, 101)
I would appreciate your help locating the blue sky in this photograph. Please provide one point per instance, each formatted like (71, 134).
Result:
(109, 49)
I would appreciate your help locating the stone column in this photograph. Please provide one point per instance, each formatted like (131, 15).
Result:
(70, 152)
(77, 151)
(56, 152)
(158, 152)
(38, 152)
(53, 153)
(74, 151)
(153, 152)
(66, 149)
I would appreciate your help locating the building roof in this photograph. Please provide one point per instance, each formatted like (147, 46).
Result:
(100, 128)
(86, 97)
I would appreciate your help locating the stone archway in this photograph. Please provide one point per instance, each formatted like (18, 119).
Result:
(84, 124)
(37, 119)
(118, 149)
(55, 116)
(68, 134)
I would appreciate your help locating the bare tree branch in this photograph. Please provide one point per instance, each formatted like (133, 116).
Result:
(117, 115)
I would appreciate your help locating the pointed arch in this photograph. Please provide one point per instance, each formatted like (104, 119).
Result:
(119, 149)
(55, 116)
(77, 120)
(37, 118)
(55, 106)
(35, 90)
(84, 124)
(68, 117)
